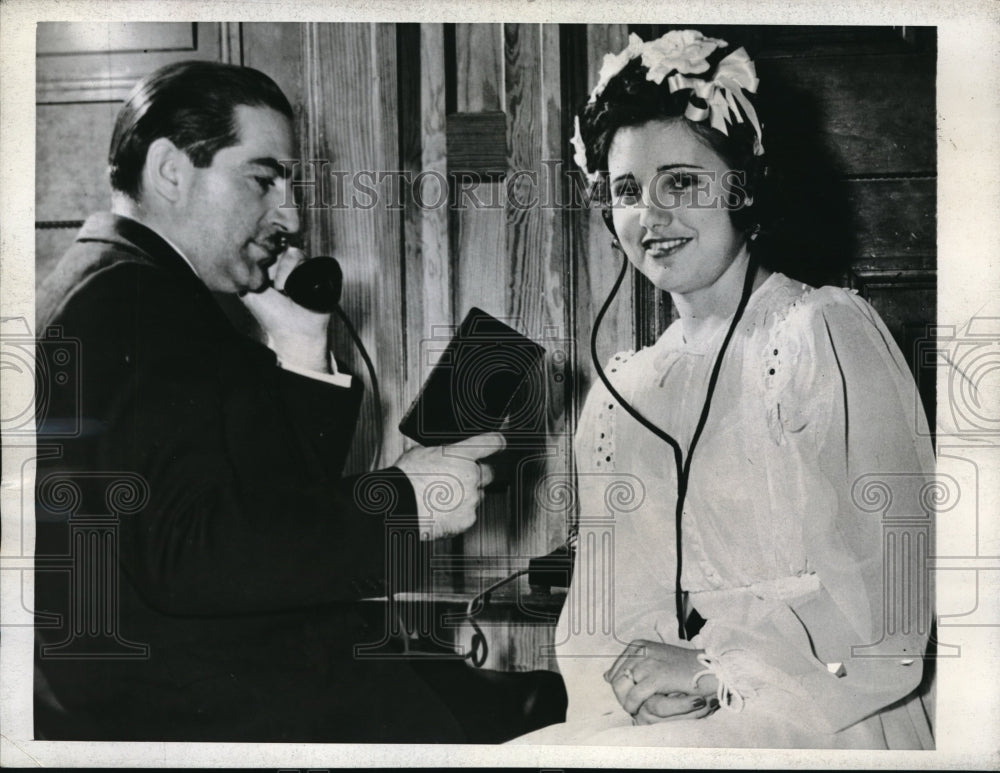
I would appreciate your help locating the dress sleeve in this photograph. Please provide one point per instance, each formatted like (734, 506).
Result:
(869, 545)
(851, 631)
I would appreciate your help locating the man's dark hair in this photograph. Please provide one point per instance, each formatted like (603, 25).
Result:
(193, 104)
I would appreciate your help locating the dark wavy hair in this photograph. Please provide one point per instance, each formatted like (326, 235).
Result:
(630, 100)
(192, 104)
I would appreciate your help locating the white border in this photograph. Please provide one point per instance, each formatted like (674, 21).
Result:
(968, 91)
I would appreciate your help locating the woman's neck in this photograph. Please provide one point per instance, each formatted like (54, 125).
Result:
(703, 311)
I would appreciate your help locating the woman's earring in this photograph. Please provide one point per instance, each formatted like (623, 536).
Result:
(615, 244)
(754, 232)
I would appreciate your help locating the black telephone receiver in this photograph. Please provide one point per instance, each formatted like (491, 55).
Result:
(316, 284)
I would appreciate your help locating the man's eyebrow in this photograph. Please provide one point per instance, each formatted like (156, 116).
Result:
(271, 163)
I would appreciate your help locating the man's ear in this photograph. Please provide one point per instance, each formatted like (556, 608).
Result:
(165, 174)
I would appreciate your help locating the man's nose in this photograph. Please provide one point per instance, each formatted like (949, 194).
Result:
(285, 215)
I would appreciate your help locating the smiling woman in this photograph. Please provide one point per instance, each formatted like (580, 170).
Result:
(741, 579)
(669, 212)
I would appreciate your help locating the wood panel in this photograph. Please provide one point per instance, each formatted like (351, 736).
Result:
(436, 276)
(556, 283)
(876, 111)
(83, 62)
(510, 258)
(526, 248)
(599, 262)
(481, 264)
(479, 67)
(70, 184)
(480, 230)
(276, 48)
(409, 61)
(350, 71)
(895, 218)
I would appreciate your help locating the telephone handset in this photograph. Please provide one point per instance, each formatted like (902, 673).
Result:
(315, 284)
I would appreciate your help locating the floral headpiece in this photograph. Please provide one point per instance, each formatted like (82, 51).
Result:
(676, 56)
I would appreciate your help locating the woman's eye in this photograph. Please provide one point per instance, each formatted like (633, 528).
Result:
(679, 182)
(265, 183)
(627, 192)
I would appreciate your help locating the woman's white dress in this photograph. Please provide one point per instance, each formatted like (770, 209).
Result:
(805, 531)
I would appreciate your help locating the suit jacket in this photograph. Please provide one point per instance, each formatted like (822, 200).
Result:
(199, 553)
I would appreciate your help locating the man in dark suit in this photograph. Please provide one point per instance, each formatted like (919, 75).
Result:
(216, 552)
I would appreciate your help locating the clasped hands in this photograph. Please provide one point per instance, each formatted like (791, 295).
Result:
(653, 683)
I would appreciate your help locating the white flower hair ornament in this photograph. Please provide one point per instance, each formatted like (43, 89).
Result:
(676, 56)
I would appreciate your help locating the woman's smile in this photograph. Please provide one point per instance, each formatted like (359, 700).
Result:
(659, 247)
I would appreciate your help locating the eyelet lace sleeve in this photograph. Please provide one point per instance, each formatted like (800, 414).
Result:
(605, 410)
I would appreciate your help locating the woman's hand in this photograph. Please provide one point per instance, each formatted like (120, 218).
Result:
(652, 682)
(663, 708)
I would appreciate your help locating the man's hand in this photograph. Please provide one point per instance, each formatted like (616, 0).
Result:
(297, 335)
(448, 482)
(652, 682)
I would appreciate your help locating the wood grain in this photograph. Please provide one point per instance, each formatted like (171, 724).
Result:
(480, 261)
(275, 48)
(479, 67)
(895, 218)
(345, 81)
(436, 265)
(526, 248)
(600, 263)
(876, 112)
(477, 144)
(410, 159)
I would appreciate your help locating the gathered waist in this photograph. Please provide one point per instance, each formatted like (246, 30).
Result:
(777, 589)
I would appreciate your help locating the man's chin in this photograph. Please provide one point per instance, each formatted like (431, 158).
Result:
(257, 282)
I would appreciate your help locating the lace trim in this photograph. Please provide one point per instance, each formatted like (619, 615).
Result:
(780, 362)
(604, 432)
(731, 696)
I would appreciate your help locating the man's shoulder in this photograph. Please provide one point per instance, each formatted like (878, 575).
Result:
(107, 262)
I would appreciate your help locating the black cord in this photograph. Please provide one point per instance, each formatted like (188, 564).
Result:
(377, 455)
(478, 603)
(682, 465)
